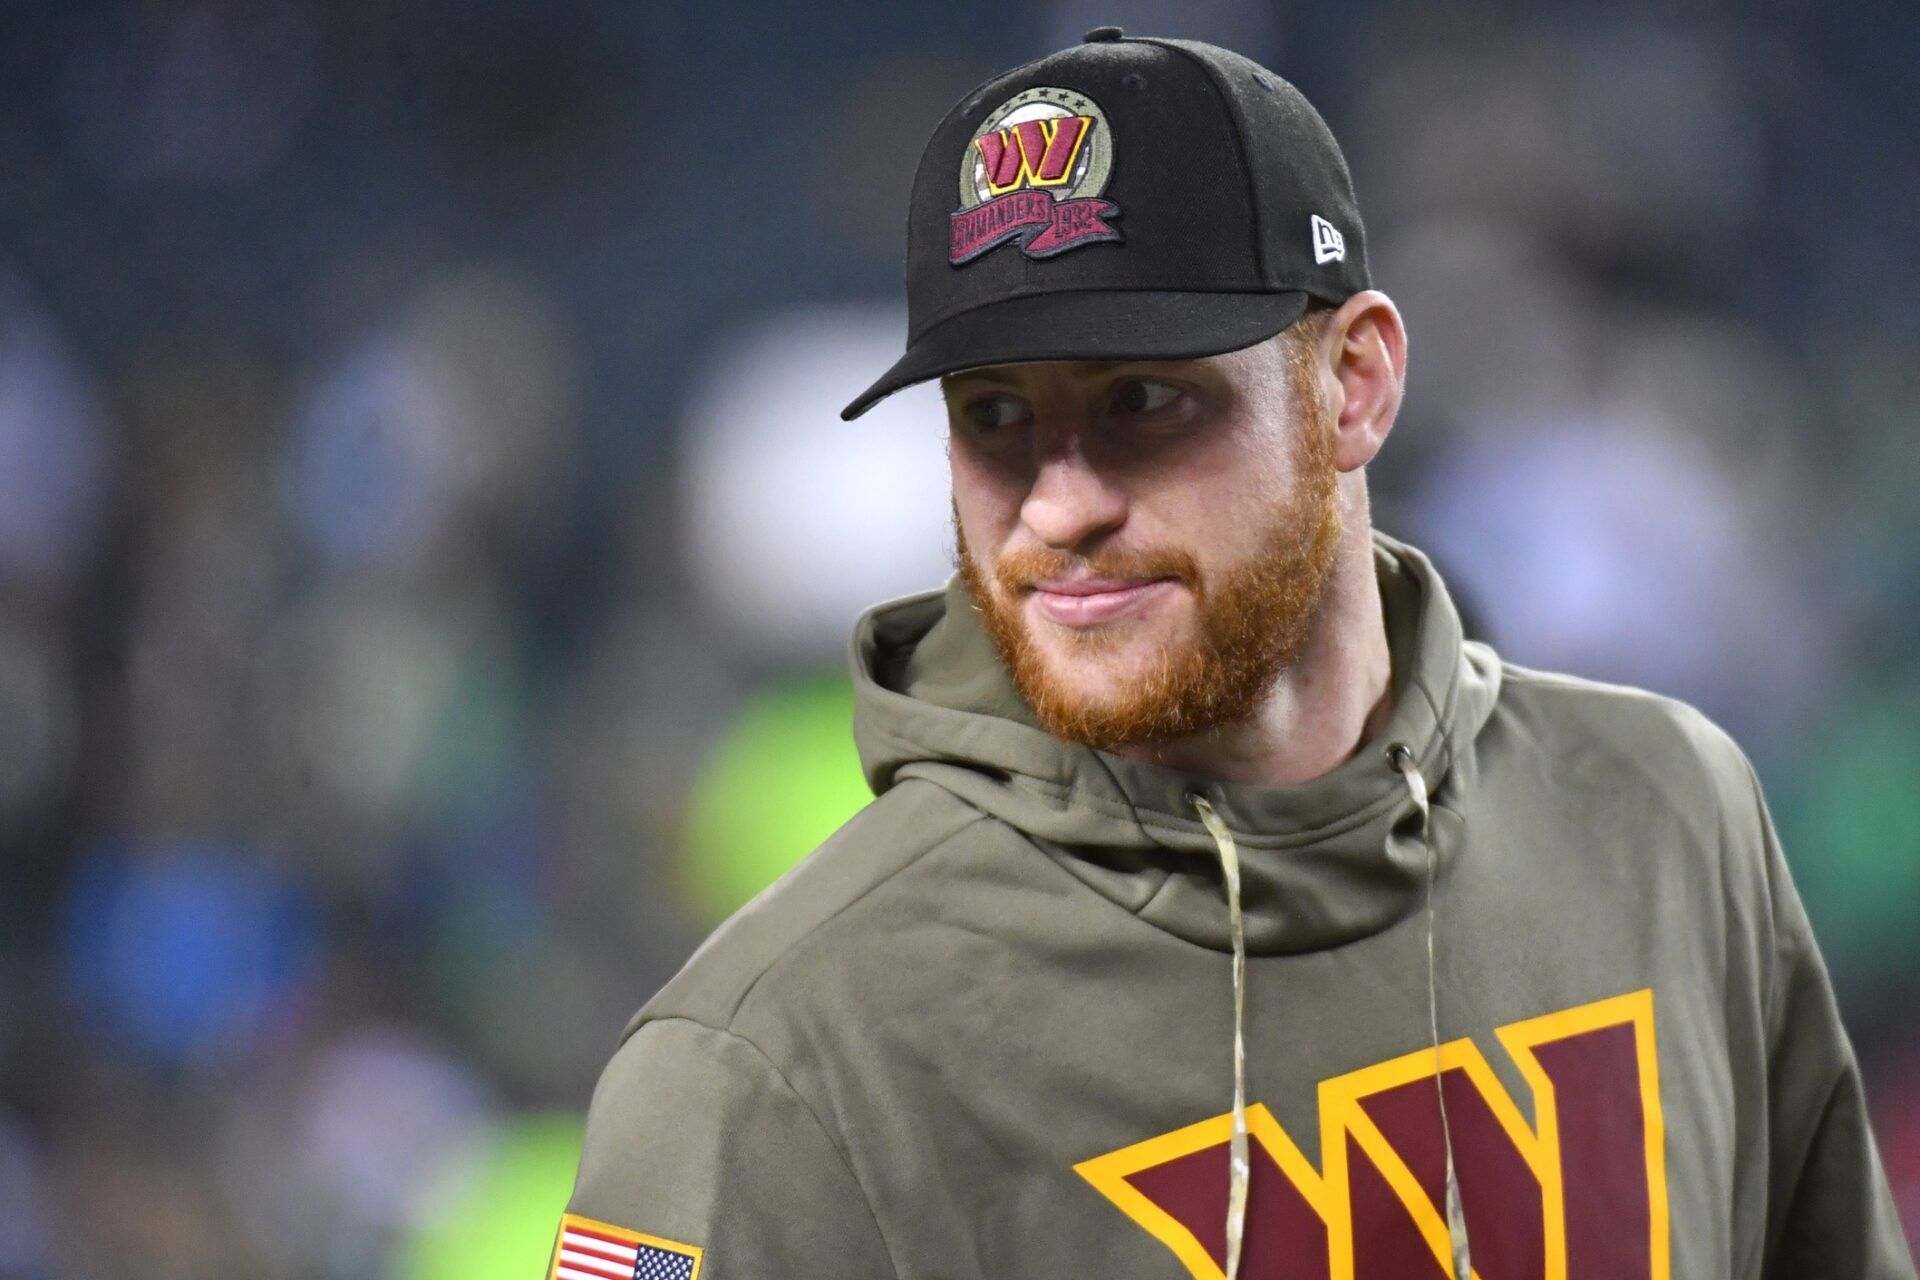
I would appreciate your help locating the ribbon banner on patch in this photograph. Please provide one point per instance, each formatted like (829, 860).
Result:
(1043, 226)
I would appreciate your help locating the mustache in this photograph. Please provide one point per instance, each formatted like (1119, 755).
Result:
(1020, 569)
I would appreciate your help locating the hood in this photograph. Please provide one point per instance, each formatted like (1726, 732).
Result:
(1321, 863)
(1304, 868)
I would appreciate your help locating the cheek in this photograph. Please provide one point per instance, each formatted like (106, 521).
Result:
(1219, 523)
(986, 503)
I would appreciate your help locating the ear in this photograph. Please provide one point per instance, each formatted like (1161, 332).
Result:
(1363, 364)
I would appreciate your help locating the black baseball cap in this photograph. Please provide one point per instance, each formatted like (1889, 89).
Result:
(1130, 198)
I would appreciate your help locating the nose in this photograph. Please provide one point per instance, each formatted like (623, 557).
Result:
(1069, 501)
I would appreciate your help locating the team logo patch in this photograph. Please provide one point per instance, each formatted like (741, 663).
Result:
(1577, 1193)
(589, 1250)
(1032, 174)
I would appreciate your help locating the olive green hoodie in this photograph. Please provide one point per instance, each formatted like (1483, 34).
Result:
(1546, 955)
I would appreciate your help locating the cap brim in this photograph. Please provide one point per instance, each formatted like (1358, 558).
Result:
(1088, 325)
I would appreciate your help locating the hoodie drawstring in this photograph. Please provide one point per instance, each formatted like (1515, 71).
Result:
(1238, 1165)
(1402, 759)
(1240, 1169)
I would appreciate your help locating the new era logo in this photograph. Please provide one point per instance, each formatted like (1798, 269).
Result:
(1328, 245)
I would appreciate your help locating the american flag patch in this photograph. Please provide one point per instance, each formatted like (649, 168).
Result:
(589, 1250)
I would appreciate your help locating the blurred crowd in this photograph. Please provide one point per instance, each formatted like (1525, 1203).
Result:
(428, 543)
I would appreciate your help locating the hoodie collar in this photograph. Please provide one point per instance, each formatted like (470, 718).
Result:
(1322, 863)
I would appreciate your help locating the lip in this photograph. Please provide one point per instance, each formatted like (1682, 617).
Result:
(1090, 586)
(1091, 601)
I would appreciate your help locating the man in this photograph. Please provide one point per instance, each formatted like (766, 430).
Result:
(1222, 911)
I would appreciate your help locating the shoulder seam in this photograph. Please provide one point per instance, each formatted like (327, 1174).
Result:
(1771, 977)
(747, 993)
(1531, 675)
(846, 1164)
(643, 1016)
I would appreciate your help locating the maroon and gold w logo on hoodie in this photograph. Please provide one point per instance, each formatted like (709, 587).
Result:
(1579, 1194)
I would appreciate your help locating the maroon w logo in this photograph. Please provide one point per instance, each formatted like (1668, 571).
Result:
(1579, 1194)
(1033, 153)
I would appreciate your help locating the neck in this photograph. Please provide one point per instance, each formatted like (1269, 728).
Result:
(1323, 708)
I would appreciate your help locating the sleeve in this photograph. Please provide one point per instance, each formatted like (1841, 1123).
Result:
(697, 1143)
(1830, 1211)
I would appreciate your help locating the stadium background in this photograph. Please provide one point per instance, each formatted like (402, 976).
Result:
(427, 544)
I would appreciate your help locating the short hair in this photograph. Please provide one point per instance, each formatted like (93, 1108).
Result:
(1300, 346)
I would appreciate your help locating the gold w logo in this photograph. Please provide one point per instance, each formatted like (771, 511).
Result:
(1579, 1194)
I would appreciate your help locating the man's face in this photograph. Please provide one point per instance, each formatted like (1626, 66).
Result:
(1148, 543)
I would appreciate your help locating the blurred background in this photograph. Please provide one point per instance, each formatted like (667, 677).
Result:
(428, 543)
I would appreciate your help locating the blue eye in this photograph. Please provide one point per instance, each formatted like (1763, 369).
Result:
(1143, 395)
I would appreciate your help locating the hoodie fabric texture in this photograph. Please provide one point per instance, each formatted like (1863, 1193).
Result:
(1526, 973)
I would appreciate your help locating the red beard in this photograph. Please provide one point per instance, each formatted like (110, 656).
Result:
(1253, 620)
